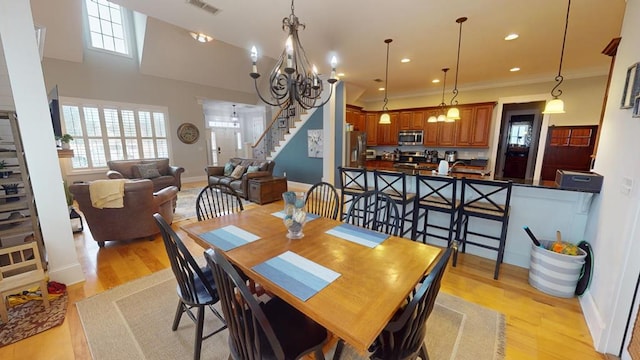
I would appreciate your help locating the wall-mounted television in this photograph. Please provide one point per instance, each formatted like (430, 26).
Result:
(54, 109)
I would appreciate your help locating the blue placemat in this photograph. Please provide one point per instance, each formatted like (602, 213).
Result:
(280, 214)
(228, 237)
(299, 276)
(356, 234)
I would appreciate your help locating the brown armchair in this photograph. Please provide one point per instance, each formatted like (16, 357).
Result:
(135, 219)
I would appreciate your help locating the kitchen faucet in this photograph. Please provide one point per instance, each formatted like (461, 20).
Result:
(455, 163)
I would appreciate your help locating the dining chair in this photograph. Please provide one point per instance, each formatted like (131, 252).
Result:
(20, 269)
(353, 182)
(394, 184)
(322, 199)
(196, 287)
(374, 210)
(488, 200)
(435, 193)
(262, 330)
(403, 337)
(217, 200)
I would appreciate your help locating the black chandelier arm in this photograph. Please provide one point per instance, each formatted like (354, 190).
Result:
(555, 92)
(261, 97)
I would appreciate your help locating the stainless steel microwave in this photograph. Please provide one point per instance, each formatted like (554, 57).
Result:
(410, 137)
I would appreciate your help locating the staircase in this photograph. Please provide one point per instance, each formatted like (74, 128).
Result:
(284, 125)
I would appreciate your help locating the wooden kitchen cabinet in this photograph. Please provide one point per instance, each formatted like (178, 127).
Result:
(371, 127)
(447, 133)
(388, 133)
(430, 129)
(356, 117)
(411, 120)
(474, 126)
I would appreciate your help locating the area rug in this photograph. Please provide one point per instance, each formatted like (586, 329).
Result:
(31, 318)
(186, 204)
(133, 321)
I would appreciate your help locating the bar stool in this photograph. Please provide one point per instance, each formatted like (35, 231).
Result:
(394, 184)
(435, 193)
(353, 182)
(485, 199)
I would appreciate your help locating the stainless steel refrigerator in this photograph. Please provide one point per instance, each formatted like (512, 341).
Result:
(356, 148)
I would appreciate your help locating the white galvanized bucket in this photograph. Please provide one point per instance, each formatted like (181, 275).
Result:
(554, 273)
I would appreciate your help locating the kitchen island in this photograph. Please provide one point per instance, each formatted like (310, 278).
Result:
(541, 205)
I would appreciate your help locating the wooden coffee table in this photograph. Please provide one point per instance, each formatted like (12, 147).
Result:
(267, 189)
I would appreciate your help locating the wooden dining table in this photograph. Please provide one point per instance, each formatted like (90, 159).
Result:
(372, 285)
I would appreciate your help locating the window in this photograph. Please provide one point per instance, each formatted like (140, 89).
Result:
(104, 132)
(107, 29)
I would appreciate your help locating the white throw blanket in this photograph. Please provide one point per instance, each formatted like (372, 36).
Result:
(107, 193)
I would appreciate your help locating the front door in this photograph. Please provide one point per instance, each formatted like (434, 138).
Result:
(224, 145)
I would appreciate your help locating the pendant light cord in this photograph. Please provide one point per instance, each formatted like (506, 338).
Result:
(555, 92)
(455, 84)
(386, 77)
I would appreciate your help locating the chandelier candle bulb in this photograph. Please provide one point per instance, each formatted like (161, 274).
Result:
(254, 60)
(289, 47)
(315, 76)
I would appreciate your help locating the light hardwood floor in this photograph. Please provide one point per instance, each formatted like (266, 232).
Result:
(538, 326)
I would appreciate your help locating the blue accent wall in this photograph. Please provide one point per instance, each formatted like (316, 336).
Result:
(294, 159)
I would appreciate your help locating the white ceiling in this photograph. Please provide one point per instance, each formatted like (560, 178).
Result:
(425, 31)
(354, 30)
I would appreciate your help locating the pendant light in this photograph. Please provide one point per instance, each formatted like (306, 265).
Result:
(385, 119)
(442, 106)
(234, 116)
(556, 106)
(454, 113)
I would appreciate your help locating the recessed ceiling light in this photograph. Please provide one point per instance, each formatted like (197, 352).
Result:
(381, 89)
(435, 81)
(203, 38)
(405, 60)
(514, 69)
(341, 74)
(511, 37)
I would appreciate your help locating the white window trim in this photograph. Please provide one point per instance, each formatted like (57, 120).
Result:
(127, 24)
(101, 104)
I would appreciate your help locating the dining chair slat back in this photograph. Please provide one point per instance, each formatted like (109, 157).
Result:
(403, 337)
(375, 210)
(353, 182)
(322, 199)
(196, 287)
(262, 330)
(217, 200)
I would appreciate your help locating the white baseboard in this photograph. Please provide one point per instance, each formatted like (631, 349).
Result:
(68, 275)
(194, 179)
(592, 316)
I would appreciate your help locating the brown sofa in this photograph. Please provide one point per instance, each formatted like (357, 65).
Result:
(135, 219)
(215, 174)
(166, 175)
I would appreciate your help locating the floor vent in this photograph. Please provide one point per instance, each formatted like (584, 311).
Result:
(204, 6)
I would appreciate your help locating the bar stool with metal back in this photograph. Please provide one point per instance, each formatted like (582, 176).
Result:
(394, 184)
(353, 182)
(485, 199)
(435, 193)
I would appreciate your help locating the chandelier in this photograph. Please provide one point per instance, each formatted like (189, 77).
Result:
(293, 79)
(442, 106)
(556, 105)
(234, 116)
(454, 113)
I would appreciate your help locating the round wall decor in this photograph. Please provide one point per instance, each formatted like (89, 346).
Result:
(188, 133)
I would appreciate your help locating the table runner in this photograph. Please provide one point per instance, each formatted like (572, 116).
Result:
(229, 237)
(358, 235)
(299, 276)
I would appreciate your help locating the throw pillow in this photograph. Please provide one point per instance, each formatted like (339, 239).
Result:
(228, 169)
(237, 172)
(148, 171)
(253, 168)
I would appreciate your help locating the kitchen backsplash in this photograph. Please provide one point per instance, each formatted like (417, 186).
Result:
(462, 152)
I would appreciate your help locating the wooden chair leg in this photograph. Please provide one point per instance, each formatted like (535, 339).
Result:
(4, 315)
(199, 328)
(45, 294)
(178, 316)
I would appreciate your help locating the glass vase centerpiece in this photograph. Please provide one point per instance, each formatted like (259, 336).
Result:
(294, 213)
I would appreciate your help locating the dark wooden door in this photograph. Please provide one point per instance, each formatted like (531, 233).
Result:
(568, 148)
